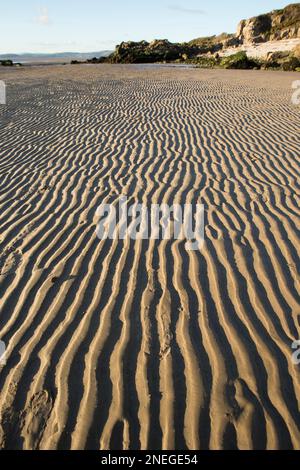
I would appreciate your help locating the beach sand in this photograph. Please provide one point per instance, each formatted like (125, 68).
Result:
(143, 344)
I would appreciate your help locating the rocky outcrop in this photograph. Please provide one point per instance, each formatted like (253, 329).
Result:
(6, 63)
(238, 61)
(288, 61)
(159, 50)
(254, 30)
(207, 51)
(277, 25)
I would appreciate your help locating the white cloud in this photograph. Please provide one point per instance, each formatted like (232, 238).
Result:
(43, 17)
(191, 11)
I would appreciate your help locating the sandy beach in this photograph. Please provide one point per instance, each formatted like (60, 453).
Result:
(123, 344)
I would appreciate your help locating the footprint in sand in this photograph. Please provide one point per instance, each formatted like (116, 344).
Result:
(35, 418)
(9, 262)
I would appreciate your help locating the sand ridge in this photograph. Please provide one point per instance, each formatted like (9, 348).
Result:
(123, 344)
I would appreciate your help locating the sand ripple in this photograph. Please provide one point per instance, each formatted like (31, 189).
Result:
(122, 344)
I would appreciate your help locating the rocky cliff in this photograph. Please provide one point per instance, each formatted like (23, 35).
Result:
(277, 25)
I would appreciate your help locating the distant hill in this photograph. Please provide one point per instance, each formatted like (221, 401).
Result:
(61, 56)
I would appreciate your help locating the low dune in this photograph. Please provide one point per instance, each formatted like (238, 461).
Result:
(122, 344)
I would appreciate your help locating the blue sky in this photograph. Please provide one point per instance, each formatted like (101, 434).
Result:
(94, 25)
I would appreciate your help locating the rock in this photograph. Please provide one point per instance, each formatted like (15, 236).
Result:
(160, 44)
(286, 23)
(277, 25)
(232, 42)
(238, 61)
(240, 29)
(277, 56)
(296, 51)
(254, 30)
(6, 63)
(159, 50)
(291, 64)
(288, 61)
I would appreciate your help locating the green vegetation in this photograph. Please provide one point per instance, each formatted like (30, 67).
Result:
(238, 61)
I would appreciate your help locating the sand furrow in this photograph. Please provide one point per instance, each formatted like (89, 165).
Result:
(134, 344)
